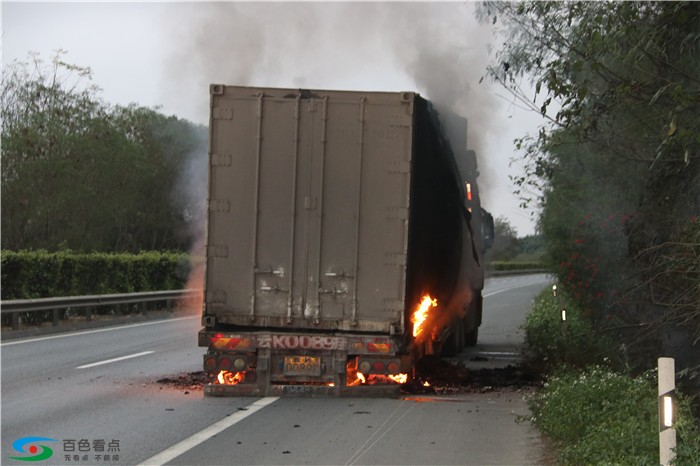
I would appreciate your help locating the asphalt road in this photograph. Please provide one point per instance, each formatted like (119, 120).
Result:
(94, 393)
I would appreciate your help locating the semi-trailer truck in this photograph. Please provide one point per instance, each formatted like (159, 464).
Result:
(344, 240)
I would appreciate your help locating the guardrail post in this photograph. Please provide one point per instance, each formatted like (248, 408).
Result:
(88, 314)
(667, 401)
(169, 305)
(54, 316)
(15, 320)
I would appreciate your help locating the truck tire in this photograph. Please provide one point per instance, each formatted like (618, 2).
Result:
(462, 341)
(454, 344)
(471, 337)
(450, 346)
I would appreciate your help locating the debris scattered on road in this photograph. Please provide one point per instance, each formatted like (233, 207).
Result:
(439, 376)
(187, 381)
(434, 375)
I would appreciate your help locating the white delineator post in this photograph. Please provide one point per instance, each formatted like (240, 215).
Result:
(667, 400)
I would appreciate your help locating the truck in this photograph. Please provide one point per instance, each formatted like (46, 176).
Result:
(345, 240)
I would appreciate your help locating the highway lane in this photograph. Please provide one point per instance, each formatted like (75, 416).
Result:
(503, 315)
(506, 303)
(44, 393)
(474, 429)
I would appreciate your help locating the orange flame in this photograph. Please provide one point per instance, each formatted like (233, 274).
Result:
(355, 377)
(230, 378)
(378, 379)
(421, 314)
(399, 378)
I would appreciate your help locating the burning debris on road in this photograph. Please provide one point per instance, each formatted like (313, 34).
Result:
(436, 375)
(187, 381)
(433, 375)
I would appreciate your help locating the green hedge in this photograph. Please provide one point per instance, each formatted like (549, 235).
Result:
(42, 274)
(507, 266)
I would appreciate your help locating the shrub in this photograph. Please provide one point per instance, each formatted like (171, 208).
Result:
(688, 434)
(575, 342)
(593, 414)
(598, 416)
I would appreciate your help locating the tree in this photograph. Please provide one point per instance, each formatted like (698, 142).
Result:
(619, 161)
(505, 242)
(80, 174)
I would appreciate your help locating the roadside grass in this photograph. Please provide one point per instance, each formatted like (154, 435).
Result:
(592, 413)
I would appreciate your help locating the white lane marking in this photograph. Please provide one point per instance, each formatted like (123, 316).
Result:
(86, 332)
(207, 433)
(494, 292)
(99, 363)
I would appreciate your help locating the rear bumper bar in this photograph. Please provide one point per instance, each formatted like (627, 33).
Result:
(363, 391)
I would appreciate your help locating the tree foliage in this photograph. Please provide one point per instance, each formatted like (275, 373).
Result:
(511, 250)
(505, 241)
(618, 163)
(80, 174)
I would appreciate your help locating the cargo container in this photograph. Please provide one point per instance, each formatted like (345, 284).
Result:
(332, 216)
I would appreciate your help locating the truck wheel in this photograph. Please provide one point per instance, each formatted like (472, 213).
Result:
(471, 337)
(455, 342)
(449, 346)
(460, 334)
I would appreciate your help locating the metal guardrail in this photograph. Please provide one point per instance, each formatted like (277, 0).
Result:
(16, 307)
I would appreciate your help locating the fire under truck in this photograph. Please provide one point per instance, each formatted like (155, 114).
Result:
(344, 240)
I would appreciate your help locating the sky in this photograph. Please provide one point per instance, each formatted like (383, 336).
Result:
(166, 54)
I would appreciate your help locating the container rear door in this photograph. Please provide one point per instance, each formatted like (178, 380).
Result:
(308, 211)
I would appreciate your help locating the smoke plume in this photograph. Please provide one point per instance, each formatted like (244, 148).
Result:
(436, 49)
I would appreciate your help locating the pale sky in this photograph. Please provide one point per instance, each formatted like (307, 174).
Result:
(166, 54)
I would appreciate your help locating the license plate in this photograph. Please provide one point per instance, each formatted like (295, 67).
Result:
(302, 365)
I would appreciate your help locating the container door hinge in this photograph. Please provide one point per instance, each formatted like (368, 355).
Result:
(208, 321)
(310, 203)
(214, 250)
(216, 297)
(401, 120)
(219, 205)
(222, 113)
(396, 258)
(221, 160)
(400, 168)
(393, 305)
(397, 213)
